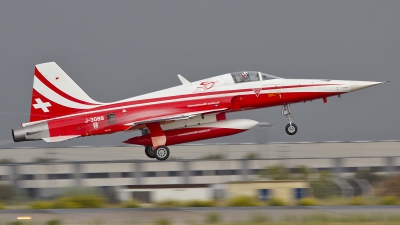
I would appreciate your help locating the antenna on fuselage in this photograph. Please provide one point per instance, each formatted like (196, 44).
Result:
(183, 80)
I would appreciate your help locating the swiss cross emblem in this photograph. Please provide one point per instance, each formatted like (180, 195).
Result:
(257, 91)
(42, 105)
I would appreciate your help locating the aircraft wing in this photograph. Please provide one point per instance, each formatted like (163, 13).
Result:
(165, 119)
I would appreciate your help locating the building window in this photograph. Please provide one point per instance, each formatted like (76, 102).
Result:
(378, 168)
(59, 176)
(142, 196)
(255, 171)
(96, 175)
(350, 169)
(31, 192)
(325, 169)
(300, 193)
(150, 174)
(174, 173)
(209, 172)
(127, 174)
(197, 173)
(236, 172)
(264, 194)
(27, 177)
(225, 172)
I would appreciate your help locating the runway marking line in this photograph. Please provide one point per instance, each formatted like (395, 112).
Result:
(24, 218)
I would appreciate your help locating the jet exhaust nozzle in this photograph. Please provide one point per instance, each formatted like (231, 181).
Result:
(18, 135)
(31, 133)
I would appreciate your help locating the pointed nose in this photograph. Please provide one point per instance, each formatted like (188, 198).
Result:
(358, 85)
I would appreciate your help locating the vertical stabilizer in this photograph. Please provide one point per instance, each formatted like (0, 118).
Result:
(56, 94)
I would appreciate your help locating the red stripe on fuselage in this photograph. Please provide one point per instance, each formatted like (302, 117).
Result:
(181, 103)
(205, 94)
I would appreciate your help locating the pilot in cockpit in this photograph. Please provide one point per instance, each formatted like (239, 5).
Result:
(245, 76)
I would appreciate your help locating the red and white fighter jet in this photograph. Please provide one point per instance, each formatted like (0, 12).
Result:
(193, 111)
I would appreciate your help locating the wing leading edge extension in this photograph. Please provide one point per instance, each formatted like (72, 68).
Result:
(175, 117)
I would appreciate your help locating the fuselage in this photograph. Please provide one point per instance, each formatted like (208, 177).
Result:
(224, 93)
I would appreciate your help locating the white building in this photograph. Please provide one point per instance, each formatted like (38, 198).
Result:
(110, 167)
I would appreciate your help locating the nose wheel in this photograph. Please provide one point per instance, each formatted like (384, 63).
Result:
(291, 128)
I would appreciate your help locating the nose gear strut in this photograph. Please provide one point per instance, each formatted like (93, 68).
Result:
(291, 128)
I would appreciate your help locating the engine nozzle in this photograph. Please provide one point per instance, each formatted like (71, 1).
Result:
(31, 133)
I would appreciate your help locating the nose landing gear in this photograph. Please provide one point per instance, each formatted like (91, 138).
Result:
(291, 128)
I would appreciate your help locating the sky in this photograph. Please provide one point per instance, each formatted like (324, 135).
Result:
(119, 49)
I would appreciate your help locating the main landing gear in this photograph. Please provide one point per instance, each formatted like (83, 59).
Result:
(161, 152)
(149, 152)
(291, 128)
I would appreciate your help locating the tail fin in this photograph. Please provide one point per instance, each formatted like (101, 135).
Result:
(56, 94)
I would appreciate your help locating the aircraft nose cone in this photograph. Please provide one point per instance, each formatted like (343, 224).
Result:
(358, 85)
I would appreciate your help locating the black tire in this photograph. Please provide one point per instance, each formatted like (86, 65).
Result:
(291, 129)
(161, 153)
(149, 152)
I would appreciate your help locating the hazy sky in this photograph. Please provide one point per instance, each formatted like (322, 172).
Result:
(119, 49)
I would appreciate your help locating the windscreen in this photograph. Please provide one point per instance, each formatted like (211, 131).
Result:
(265, 76)
(245, 76)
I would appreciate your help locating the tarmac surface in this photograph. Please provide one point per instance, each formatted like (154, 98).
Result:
(188, 215)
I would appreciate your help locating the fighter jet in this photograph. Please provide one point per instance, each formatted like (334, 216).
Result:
(193, 111)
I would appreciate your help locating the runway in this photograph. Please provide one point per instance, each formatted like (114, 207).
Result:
(190, 215)
(196, 151)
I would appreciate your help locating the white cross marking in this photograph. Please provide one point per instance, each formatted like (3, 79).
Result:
(42, 105)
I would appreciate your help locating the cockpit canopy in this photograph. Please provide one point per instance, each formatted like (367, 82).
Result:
(247, 76)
